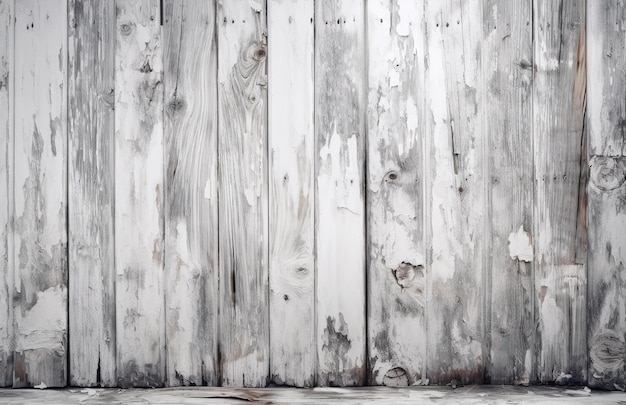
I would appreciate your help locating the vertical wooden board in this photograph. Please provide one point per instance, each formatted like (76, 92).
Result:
(6, 195)
(90, 190)
(40, 302)
(396, 284)
(456, 192)
(340, 210)
(140, 321)
(243, 194)
(191, 288)
(291, 204)
(558, 115)
(606, 115)
(507, 72)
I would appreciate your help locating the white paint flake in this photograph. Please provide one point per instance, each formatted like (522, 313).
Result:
(520, 245)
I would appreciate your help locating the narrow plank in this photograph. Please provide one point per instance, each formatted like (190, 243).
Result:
(6, 194)
(91, 126)
(606, 215)
(191, 292)
(291, 198)
(40, 300)
(455, 192)
(340, 102)
(243, 194)
(558, 116)
(140, 319)
(396, 249)
(508, 75)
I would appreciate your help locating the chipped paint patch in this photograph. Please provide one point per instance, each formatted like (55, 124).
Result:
(44, 325)
(520, 245)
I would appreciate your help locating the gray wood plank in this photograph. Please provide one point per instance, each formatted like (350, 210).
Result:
(243, 193)
(191, 288)
(91, 128)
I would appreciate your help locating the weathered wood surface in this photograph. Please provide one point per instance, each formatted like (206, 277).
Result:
(455, 192)
(560, 255)
(243, 193)
(508, 72)
(91, 126)
(139, 295)
(340, 103)
(291, 199)
(606, 120)
(40, 251)
(396, 249)
(191, 287)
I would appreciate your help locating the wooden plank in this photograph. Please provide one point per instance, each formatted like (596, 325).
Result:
(455, 192)
(340, 210)
(40, 303)
(191, 288)
(6, 194)
(243, 194)
(606, 118)
(139, 296)
(508, 75)
(291, 198)
(396, 285)
(558, 115)
(91, 127)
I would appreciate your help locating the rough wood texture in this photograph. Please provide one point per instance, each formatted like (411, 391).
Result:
(455, 192)
(606, 306)
(40, 303)
(140, 321)
(340, 82)
(507, 72)
(397, 279)
(291, 199)
(243, 193)
(558, 113)
(90, 180)
(191, 295)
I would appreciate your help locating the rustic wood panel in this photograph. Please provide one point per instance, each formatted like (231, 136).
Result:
(243, 193)
(340, 103)
(508, 73)
(91, 81)
(139, 291)
(396, 249)
(191, 288)
(40, 303)
(291, 198)
(455, 192)
(606, 119)
(560, 256)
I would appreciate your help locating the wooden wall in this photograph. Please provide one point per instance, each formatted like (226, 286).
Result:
(254, 192)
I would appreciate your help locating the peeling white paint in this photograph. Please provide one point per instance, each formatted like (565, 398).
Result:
(520, 245)
(44, 325)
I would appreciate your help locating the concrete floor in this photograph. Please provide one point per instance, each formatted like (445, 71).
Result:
(317, 396)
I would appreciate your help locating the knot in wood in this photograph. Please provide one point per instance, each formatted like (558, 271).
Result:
(126, 29)
(259, 52)
(608, 173)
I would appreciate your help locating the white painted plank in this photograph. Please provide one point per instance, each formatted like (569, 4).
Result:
(191, 288)
(40, 304)
(140, 320)
(91, 128)
(340, 210)
(397, 278)
(291, 199)
(243, 194)
(558, 115)
(508, 75)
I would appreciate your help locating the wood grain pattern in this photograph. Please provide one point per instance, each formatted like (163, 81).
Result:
(191, 295)
(606, 215)
(396, 247)
(508, 75)
(139, 295)
(558, 114)
(291, 199)
(91, 128)
(40, 251)
(243, 193)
